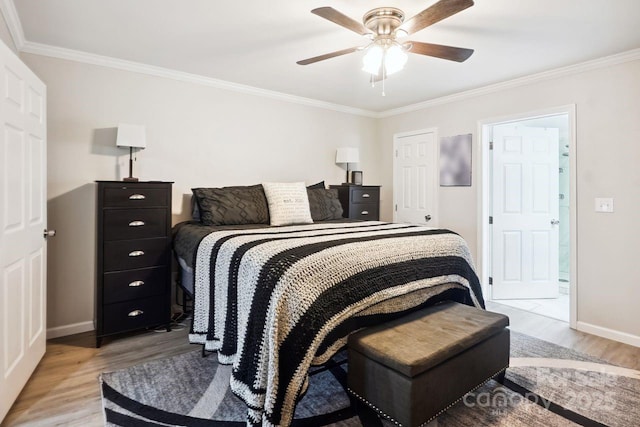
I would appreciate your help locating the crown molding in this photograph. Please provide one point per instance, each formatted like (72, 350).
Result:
(594, 64)
(8, 9)
(138, 67)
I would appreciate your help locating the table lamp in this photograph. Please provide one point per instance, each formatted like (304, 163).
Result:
(131, 136)
(347, 155)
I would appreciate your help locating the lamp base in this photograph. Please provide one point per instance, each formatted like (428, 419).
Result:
(130, 178)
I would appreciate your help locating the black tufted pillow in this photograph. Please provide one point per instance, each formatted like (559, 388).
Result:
(232, 205)
(317, 186)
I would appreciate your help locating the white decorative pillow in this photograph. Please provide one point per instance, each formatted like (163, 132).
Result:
(288, 203)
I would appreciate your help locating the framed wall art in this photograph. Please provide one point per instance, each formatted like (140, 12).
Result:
(455, 161)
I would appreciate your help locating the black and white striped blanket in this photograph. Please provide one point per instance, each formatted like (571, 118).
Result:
(274, 301)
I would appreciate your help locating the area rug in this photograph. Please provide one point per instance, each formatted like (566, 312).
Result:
(546, 385)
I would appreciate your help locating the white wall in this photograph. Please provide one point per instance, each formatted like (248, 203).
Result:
(5, 35)
(608, 143)
(196, 136)
(199, 135)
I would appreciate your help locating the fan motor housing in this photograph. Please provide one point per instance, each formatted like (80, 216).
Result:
(383, 21)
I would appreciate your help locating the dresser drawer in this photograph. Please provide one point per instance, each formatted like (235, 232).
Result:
(130, 254)
(366, 211)
(134, 284)
(135, 196)
(121, 224)
(139, 313)
(133, 277)
(365, 195)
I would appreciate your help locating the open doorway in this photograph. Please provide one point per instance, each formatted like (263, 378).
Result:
(529, 202)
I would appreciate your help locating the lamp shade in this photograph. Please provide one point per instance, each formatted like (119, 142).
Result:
(131, 136)
(372, 60)
(347, 155)
(395, 59)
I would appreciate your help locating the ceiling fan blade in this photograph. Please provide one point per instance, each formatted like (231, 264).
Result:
(457, 54)
(336, 17)
(435, 13)
(327, 56)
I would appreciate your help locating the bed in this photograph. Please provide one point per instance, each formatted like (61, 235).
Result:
(273, 301)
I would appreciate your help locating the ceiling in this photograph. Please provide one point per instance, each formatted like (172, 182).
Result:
(257, 42)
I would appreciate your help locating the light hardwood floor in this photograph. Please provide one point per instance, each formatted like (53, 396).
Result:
(64, 390)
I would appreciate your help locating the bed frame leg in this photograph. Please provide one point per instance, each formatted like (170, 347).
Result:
(183, 302)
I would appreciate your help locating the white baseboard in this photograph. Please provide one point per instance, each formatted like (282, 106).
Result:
(611, 334)
(74, 328)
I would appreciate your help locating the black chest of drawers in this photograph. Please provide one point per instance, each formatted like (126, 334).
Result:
(134, 256)
(359, 201)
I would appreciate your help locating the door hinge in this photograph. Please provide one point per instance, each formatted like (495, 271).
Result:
(490, 220)
(490, 145)
(491, 280)
(396, 153)
(396, 208)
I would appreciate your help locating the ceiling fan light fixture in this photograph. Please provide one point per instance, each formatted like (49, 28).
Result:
(386, 29)
(372, 60)
(401, 33)
(395, 59)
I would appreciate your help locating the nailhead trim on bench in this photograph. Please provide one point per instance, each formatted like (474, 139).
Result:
(390, 418)
(372, 406)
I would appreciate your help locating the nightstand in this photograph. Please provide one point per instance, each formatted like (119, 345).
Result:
(134, 256)
(359, 201)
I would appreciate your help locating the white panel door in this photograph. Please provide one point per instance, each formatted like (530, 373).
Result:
(23, 218)
(525, 212)
(415, 179)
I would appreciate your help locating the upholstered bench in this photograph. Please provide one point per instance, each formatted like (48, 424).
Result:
(414, 368)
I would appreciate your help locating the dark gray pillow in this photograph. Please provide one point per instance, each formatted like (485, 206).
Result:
(316, 186)
(195, 210)
(232, 205)
(324, 204)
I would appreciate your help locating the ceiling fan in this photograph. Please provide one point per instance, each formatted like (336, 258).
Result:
(383, 26)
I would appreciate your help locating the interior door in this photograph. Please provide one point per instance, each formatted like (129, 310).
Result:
(415, 179)
(525, 212)
(23, 219)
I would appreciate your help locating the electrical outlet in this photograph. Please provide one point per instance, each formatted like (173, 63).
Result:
(604, 205)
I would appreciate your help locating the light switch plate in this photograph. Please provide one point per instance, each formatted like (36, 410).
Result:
(604, 204)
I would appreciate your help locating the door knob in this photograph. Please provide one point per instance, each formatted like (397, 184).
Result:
(427, 218)
(555, 222)
(49, 233)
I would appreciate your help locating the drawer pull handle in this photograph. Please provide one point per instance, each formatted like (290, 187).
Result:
(365, 212)
(136, 283)
(365, 196)
(137, 197)
(136, 223)
(135, 313)
(136, 253)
